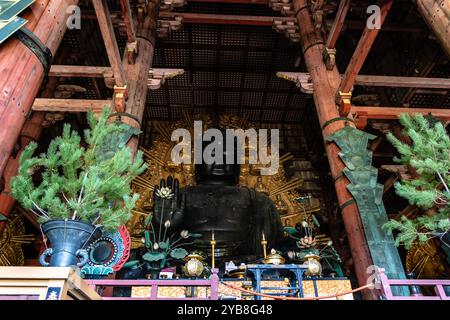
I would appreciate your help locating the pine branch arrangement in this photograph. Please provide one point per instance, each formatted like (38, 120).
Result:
(429, 154)
(91, 184)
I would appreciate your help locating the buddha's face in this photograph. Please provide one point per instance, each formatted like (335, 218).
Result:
(215, 173)
(218, 173)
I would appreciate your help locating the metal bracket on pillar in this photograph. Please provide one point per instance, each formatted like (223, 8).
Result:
(168, 24)
(289, 27)
(329, 57)
(132, 51)
(168, 5)
(284, 6)
(120, 98)
(157, 77)
(302, 80)
(344, 102)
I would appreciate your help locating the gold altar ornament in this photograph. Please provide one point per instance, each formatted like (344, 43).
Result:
(274, 258)
(312, 261)
(194, 265)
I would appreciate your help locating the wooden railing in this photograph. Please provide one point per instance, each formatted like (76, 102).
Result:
(438, 286)
(212, 283)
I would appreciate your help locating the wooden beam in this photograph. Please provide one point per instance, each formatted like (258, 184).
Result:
(128, 19)
(403, 82)
(362, 50)
(303, 79)
(109, 38)
(227, 19)
(70, 105)
(80, 71)
(390, 183)
(407, 212)
(392, 113)
(338, 23)
(261, 2)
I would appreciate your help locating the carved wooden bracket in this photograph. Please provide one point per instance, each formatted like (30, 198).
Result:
(120, 98)
(282, 5)
(329, 57)
(168, 5)
(287, 26)
(302, 80)
(343, 99)
(166, 25)
(157, 77)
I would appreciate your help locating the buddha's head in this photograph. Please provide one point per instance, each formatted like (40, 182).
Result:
(224, 173)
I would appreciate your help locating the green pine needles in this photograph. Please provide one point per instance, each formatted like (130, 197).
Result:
(91, 184)
(429, 154)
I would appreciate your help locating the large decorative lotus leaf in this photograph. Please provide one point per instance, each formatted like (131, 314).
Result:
(178, 253)
(130, 264)
(153, 256)
(290, 230)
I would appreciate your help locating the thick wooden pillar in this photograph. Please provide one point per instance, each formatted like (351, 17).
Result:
(22, 73)
(31, 132)
(137, 73)
(436, 14)
(325, 85)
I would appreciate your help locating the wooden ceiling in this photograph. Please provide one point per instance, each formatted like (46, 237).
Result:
(231, 63)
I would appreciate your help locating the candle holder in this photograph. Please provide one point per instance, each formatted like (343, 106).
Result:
(213, 257)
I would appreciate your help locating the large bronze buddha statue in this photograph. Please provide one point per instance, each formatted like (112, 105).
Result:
(238, 216)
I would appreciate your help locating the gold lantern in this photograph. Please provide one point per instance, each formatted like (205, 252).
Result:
(194, 265)
(312, 261)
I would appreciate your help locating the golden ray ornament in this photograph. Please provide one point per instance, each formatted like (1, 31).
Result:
(13, 237)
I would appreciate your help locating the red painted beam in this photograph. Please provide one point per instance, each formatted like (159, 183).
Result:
(338, 24)
(362, 50)
(392, 113)
(363, 114)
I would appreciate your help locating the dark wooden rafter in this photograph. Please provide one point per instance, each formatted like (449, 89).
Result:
(109, 38)
(128, 20)
(227, 19)
(359, 57)
(338, 24)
